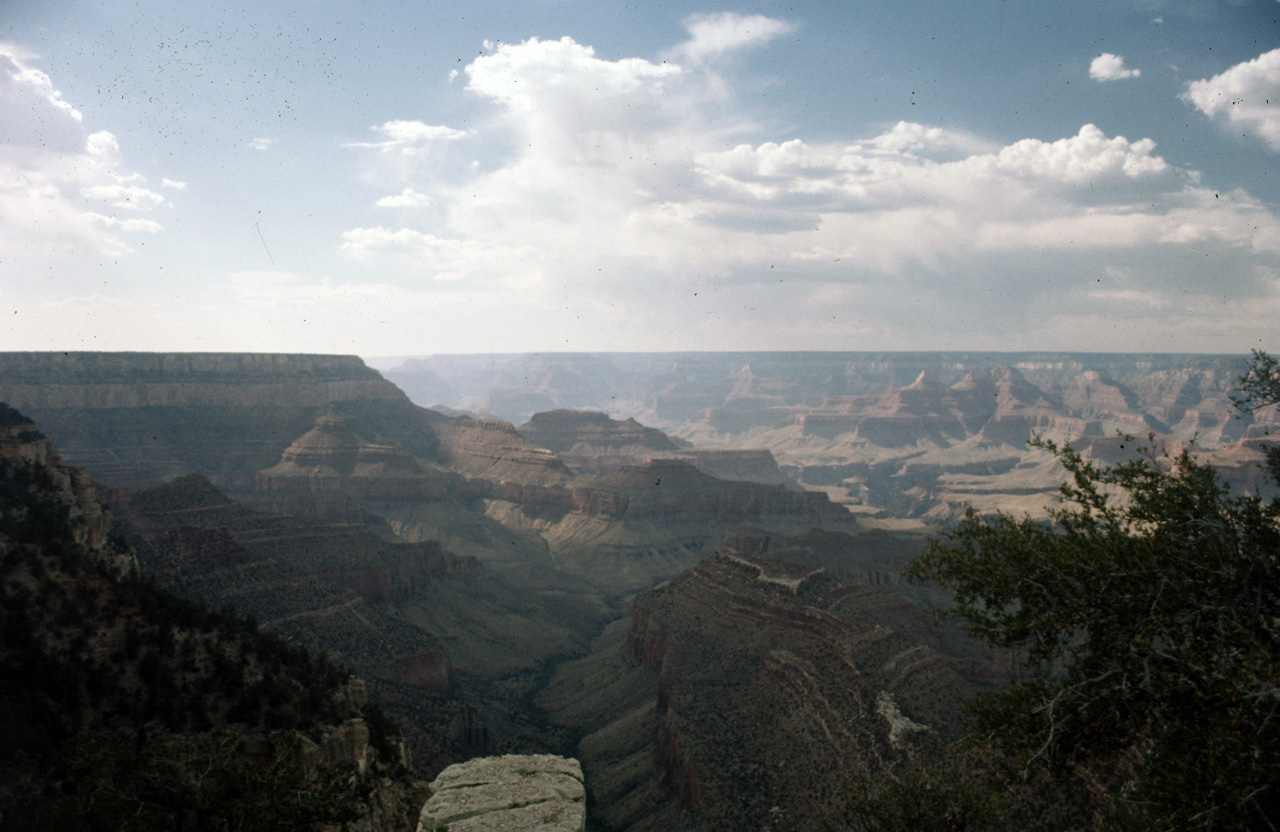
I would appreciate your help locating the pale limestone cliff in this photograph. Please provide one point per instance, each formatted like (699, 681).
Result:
(511, 793)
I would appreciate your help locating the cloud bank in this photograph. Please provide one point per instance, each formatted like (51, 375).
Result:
(622, 210)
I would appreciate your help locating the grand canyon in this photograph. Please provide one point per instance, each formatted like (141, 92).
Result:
(682, 569)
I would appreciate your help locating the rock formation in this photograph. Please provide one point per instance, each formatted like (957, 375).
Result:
(138, 419)
(742, 693)
(408, 616)
(895, 435)
(177, 706)
(592, 443)
(511, 793)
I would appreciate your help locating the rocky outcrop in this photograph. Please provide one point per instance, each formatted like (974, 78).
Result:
(758, 686)
(745, 465)
(593, 443)
(644, 523)
(512, 793)
(494, 451)
(341, 457)
(677, 491)
(21, 444)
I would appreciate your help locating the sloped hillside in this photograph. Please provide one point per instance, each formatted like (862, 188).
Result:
(126, 707)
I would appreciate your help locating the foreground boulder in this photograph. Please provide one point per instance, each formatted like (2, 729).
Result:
(511, 793)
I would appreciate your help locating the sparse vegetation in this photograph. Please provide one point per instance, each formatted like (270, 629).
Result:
(913, 796)
(125, 707)
(1153, 592)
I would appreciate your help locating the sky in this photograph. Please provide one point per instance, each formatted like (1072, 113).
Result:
(409, 178)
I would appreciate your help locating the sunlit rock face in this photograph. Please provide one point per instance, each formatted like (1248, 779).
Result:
(341, 457)
(511, 793)
(891, 435)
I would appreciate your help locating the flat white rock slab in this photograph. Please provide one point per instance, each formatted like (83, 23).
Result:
(511, 793)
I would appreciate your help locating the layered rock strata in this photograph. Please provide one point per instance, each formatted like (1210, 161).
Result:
(742, 693)
(881, 432)
(138, 419)
(594, 444)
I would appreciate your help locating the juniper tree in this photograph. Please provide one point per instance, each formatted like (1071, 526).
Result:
(1155, 591)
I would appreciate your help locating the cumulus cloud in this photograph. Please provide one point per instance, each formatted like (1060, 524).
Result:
(626, 210)
(170, 183)
(409, 198)
(714, 35)
(1247, 96)
(1109, 67)
(63, 189)
(260, 143)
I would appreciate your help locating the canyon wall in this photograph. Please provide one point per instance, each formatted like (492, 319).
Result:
(746, 690)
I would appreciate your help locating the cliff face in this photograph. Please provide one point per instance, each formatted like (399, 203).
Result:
(758, 686)
(370, 599)
(341, 458)
(675, 490)
(325, 438)
(593, 443)
(99, 664)
(138, 419)
(23, 446)
(410, 617)
(643, 523)
(494, 451)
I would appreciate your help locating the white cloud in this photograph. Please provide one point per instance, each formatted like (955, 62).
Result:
(1247, 95)
(260, 143)
(409, 198)
(406, 151)
(37, 115)
(622, 197)
(169, 183)
(1109, 67)
(714, 35)
(60, 185)
(132, 224)
(440, 258)
(405, 136)
(127, 197)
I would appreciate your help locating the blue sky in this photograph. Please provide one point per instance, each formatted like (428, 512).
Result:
(411, 178)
